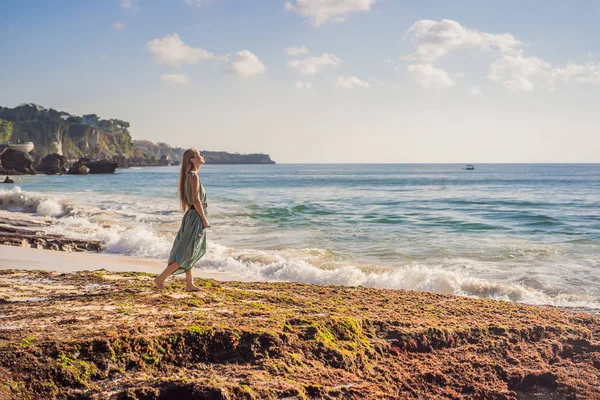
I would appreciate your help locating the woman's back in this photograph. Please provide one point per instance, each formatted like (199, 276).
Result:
(188, 190)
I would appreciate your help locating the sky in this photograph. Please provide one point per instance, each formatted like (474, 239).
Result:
(320, 81)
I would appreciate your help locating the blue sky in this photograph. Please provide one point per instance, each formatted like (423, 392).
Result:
(473, 81)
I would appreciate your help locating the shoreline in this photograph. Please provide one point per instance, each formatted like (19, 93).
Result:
(30, 259)
(72, 261)
(110, 335)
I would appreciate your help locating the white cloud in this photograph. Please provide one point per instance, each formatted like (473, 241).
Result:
(429, 76)
(588, 73)
(175, 79)
(197, 3)
(172, 51)
(523, 73)
(516, 71)
(519, 83)
(313, 65)
(350, 82)
(435, 39)
(304, 85)
(118, 25)
(513, 69)
(246, 64)
(296, 51)
(475, 91)
(323, 11)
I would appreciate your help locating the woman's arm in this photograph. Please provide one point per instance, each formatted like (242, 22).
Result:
(195, 184)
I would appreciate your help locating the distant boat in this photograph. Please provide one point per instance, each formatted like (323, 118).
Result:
(470, 167)
(25, 147)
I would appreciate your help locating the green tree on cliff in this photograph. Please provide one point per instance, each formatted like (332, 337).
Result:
(6, 130)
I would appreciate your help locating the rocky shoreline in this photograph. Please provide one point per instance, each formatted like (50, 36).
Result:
(108, 335)
(24, 234)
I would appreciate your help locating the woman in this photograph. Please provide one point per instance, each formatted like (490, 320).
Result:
(190, 244)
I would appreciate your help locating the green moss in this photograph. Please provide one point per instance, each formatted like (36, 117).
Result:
(247, 390)
(26, 341)
(209, 283)
(193, 302)
(200, 330)
(99, 274)
(123, 308)
(80, 370)
(151, 358)
(349, 325)
(320, 333)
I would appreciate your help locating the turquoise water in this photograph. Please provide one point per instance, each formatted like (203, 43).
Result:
(526, 232)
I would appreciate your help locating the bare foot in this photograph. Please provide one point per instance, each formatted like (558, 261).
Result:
(159, 284)
(192, 288)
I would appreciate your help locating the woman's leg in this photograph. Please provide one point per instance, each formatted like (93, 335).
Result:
(160, 280)
(189, 280)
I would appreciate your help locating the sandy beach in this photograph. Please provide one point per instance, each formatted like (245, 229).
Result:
(12, 257)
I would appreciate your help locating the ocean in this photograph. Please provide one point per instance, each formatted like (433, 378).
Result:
(520, 232)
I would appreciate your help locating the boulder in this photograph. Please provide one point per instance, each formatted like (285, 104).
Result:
(79, 168)
(53, 164)
(15, 160)
(102, 167)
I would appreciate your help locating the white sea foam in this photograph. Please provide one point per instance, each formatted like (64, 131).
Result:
(49, 208)
(139, 242)
(134, 241)
(42, 204)
(95, 222)
(412, 277)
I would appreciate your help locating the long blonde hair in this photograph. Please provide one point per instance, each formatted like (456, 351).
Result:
(186, 167)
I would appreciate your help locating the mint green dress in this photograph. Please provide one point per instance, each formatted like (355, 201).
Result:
(190, 243)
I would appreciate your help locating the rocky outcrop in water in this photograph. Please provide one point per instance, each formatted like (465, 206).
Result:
(16, 162)
(95, 167)
(222, 157)
(103, 335)
(79, 167)
(102, 167)
(53, 164)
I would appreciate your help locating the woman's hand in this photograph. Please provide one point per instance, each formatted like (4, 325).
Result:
(206, 223)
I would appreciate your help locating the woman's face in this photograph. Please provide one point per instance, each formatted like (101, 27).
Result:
(199, 159)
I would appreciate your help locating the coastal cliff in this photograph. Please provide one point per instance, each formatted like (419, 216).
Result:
(90, 136)
(110, 335)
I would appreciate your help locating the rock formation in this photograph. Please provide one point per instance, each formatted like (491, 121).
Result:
(102, 167)
(74, 136)
(12, 236)
(53, 164)
(15, 161)
(79, 168)
(95, 167)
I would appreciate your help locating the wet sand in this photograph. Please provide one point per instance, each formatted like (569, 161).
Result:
(12, 257)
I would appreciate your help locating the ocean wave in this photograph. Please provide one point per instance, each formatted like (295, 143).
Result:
(139, 242)
(144, 227)
(43, 205)
(271, 266)
(107, 224)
